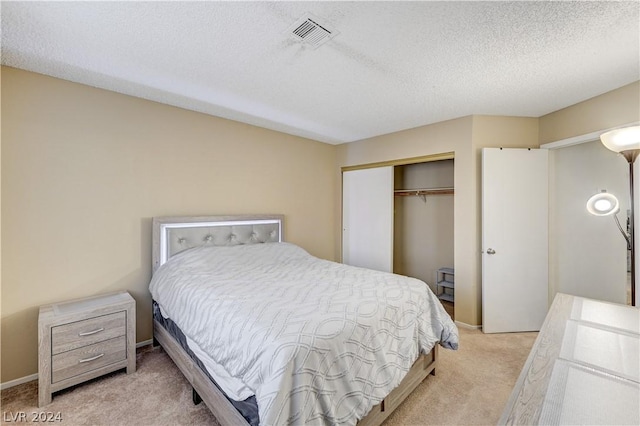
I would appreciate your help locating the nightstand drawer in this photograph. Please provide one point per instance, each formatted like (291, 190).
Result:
(87, 358)
(87, 332)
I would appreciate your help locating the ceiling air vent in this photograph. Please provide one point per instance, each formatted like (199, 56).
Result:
(309, 31)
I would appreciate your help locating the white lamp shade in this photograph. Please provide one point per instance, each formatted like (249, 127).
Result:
(624, 139)
(603, 204)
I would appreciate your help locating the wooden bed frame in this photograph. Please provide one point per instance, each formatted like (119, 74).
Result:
(174, 234)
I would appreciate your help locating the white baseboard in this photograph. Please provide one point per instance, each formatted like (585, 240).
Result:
(26, 379)
(469, 326)
(16, 382)
(145, 343)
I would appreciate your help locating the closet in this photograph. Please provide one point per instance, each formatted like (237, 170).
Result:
(423, 224)
(407, 229)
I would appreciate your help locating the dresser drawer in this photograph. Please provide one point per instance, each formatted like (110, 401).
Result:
(87, 332)
(87, 358)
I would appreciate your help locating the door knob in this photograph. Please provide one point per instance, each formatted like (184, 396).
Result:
(491, 251)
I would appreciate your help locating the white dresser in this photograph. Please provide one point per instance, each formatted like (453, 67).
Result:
(584, 367)
(85, 338)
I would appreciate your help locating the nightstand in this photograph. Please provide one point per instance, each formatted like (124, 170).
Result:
(85, 338)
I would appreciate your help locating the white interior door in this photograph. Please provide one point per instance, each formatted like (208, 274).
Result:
(367, 218)
(515, 259)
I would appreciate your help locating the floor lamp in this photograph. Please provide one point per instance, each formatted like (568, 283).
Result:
(626, 141)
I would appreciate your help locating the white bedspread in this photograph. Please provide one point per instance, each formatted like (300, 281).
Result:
(317, 342)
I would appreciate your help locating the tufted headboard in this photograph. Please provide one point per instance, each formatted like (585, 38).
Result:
(171, 235)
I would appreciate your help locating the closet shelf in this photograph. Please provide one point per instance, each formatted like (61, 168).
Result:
(445, 279)
(422, 191)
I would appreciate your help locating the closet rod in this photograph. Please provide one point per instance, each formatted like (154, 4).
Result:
(423, 191)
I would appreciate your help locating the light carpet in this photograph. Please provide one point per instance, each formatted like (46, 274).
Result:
(471, 387)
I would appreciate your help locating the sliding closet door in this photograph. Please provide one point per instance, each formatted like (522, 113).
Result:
(515, 259)
(367, 218)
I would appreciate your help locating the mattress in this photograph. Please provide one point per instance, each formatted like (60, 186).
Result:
(315, 341)
(248, 407)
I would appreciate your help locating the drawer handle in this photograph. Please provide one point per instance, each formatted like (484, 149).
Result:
(91, 359)
(89, 333)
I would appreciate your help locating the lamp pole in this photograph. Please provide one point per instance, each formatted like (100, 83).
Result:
(631, 156)
(626, 141)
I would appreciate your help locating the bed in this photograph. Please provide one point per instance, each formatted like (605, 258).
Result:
(267, 334)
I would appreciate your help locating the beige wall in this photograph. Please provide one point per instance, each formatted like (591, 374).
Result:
(588, 254)
(465, 137)
(84, 170)
(612, 109)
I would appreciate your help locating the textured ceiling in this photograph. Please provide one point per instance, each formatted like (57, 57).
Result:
(393, 65)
